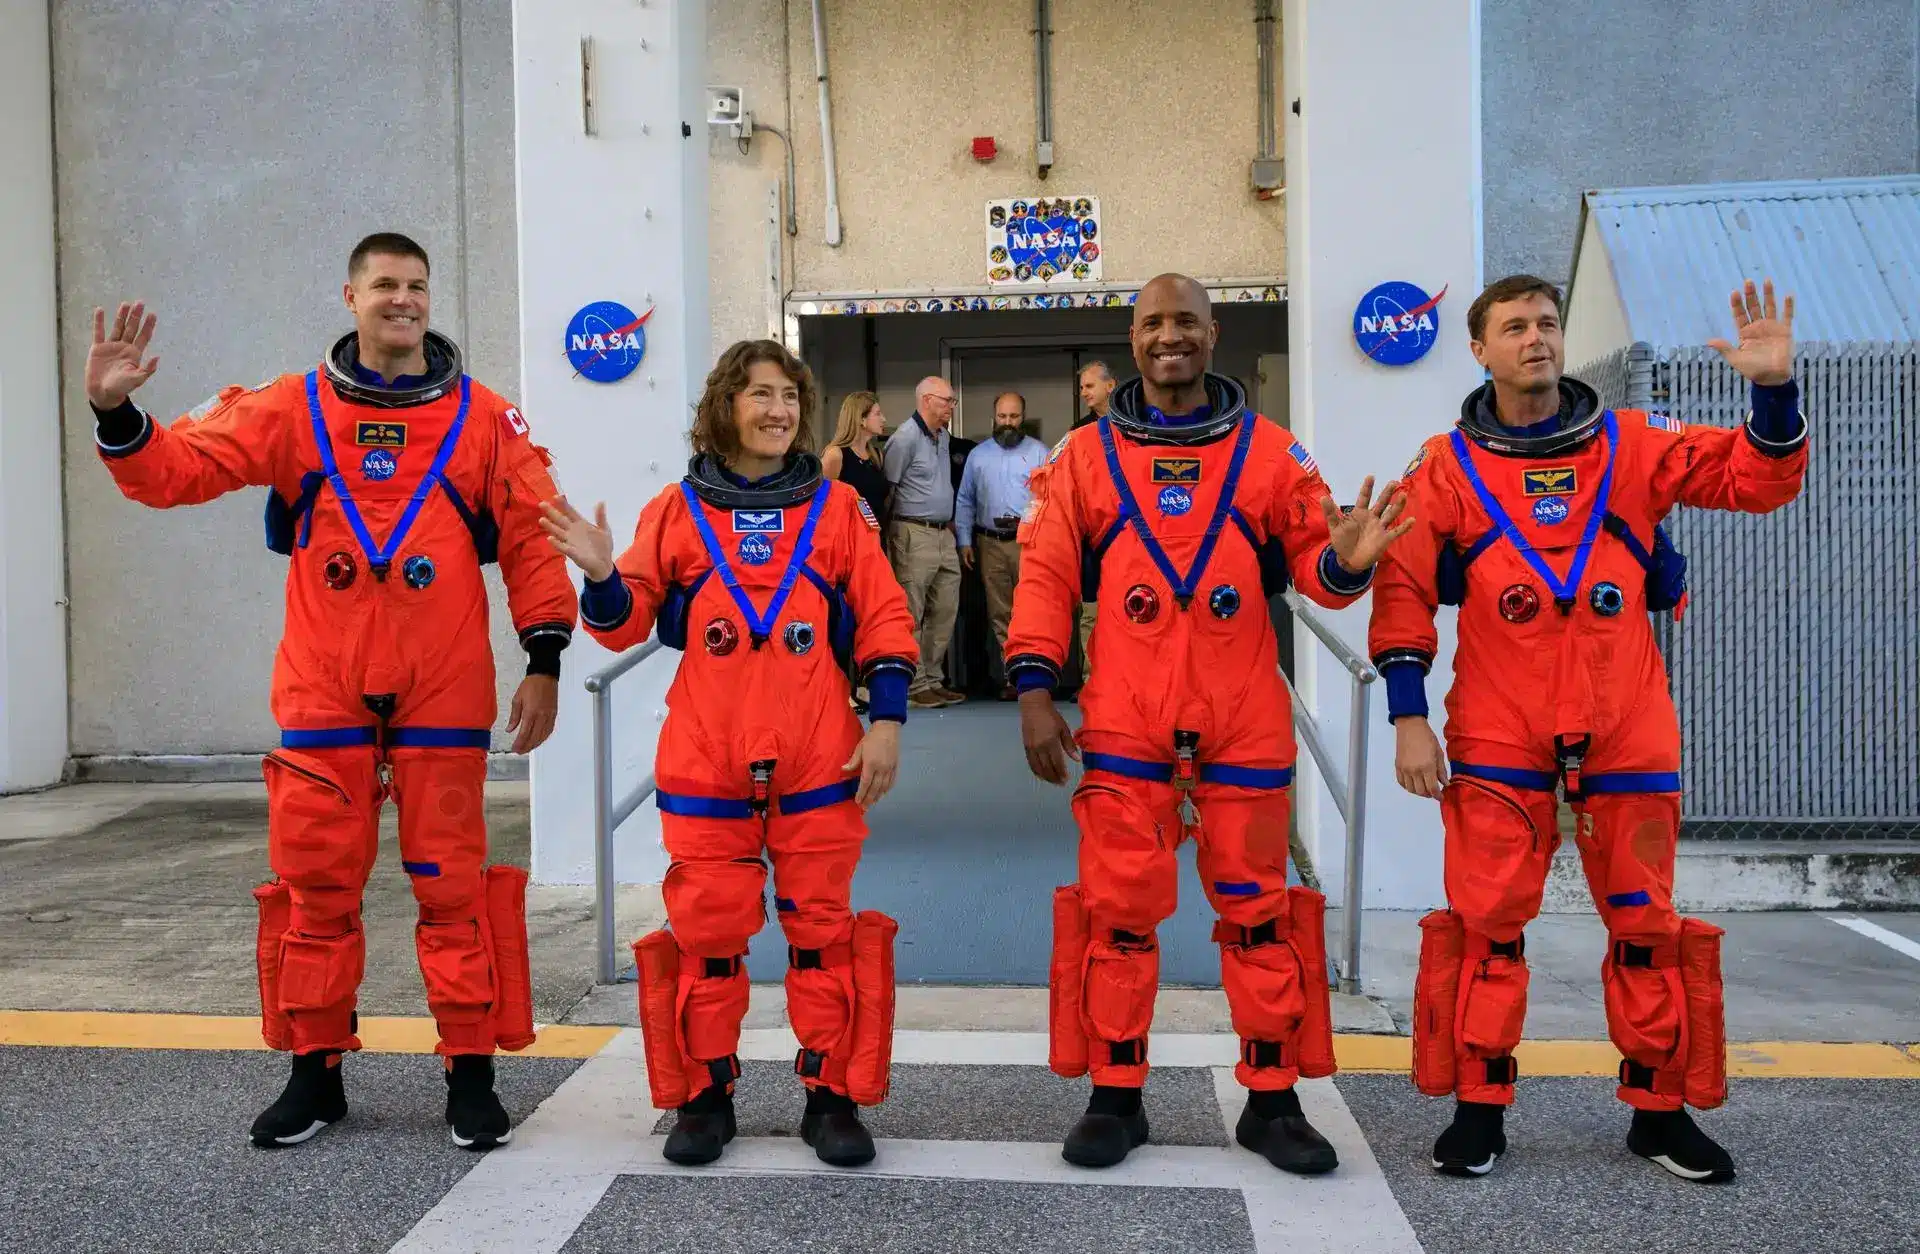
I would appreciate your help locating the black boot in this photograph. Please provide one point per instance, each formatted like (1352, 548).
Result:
(1672, 1139)
(1274, 1126)
(314, 1097)
(831, 1124)
(705, 1126)
(1471, 1143)
(1115, 1122)
(474, 1113)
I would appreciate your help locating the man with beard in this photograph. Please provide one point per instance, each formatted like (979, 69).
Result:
(986, 513)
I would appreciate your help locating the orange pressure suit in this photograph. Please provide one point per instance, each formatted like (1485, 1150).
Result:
(1546, 538)
(769, 589)
(387, 501)
(1182, 527)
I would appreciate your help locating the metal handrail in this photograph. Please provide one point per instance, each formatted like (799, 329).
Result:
(606, 815)
(1347, 787)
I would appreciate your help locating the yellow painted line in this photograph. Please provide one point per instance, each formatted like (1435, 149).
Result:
(1356, 1052)
(110, 1030)
(1780, 1060)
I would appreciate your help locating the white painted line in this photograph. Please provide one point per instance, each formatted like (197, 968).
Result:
(1000, 1049)
(1873, 931)
(1350, 1209)
(1018, 1162)
(529, 1196)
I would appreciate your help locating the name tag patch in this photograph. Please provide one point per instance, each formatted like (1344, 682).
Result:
(1176, 470)
(760, 522)
(1548, 481)
(380, 434)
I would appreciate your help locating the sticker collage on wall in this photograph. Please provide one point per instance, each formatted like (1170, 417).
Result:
(1035, 243)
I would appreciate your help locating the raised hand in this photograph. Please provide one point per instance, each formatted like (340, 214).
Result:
(1765, 351)
(114, 367)
(588, 545)
(1361, 534)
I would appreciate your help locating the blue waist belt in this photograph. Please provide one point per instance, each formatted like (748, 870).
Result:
(1545, 781)
(1209, 772)
(688, 806)
(401, 737)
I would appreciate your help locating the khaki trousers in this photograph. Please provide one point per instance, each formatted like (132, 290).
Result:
(927, 565)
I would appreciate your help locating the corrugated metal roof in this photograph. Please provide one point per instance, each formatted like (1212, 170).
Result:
(1848, 250)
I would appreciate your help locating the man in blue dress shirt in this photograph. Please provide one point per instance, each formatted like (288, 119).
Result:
(987, 510)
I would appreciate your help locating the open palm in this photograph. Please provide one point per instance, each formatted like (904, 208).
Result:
(1361, 534)
(1765, 351)
(115, 368)
(588, 545)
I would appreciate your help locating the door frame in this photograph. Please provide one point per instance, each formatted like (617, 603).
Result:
(954, 351)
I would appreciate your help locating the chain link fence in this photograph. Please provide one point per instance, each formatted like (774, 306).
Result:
(1796, 669)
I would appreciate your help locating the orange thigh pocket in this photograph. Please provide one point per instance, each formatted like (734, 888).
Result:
(1496, 854)
(321, 809)
(1127, 870)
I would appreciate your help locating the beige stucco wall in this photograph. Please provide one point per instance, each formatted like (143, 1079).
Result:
(1155, 112)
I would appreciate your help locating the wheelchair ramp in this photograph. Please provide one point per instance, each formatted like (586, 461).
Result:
(966, 851)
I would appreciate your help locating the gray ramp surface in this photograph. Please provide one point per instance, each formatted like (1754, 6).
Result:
(966, 851)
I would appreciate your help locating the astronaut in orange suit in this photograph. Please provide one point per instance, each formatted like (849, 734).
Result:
(772, 582)
(1540, 518)
(1191, 510)
(393, 479)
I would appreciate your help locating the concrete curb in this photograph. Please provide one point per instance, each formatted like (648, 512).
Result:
(215, 768)
(1767, 875)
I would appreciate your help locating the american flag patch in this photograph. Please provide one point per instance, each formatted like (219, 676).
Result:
(866, 512)
(1300, 454)
(1666, 422)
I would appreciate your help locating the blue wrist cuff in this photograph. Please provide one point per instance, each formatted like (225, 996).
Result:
(605, 603)
(1336, 577)
(1406, 690)
(887, 695)
(1776, 426)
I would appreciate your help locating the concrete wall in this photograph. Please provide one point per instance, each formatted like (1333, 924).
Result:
(1625, 93)
(220, 161)
(33, 672)
(1155, 111)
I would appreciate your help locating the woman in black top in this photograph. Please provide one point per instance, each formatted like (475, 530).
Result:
(851, 456)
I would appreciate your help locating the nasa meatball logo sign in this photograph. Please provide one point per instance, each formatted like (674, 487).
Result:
(1397, 323)
(606, 340)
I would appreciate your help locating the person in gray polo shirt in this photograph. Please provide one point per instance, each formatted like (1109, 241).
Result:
(920, 540)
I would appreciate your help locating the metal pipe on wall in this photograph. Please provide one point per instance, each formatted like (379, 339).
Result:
(1043, 85)
(826, 123)
(1269, 170)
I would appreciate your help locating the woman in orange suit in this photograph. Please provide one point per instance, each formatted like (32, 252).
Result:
(770, 578)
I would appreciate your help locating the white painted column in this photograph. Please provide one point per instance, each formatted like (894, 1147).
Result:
(33, 624)
(1383, 183)
(618, 215)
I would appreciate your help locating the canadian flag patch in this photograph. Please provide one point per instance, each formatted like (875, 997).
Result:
(515, 423)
